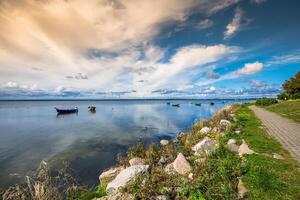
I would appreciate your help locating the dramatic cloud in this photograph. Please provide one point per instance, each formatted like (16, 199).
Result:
(204, 24)
(250, 68)
(235, 24)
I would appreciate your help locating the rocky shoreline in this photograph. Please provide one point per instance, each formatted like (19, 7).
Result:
(201, 143)
(160, 171)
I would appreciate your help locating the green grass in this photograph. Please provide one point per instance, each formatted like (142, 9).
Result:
(88, 194)
(289, 109)
(267, 178)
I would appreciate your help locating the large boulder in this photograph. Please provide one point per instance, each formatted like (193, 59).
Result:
(205, 130)
(181, 165)
(110, 174)
(244, 149)
(125, 176)
(136, 161)
(206, 146)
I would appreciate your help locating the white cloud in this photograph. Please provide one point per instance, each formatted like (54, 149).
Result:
(204, 24)
(235, 24)
(105, 42)
(250, 68)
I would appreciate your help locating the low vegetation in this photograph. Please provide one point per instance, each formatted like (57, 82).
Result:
(289, 109)
(266, 177)
(265, 101)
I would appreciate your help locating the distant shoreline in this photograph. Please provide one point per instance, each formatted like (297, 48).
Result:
(135, 99)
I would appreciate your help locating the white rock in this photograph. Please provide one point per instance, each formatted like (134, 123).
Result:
(191, 176)
(206, 146)
(224, 122)
(110, 174)
(231, 141)
(277, 156)
(136, 161)
(244, 149)
(117, 195)
(237, 131)
(181, 165)
(125, 176)
(242, 190)
(205, 130)
(164, 142)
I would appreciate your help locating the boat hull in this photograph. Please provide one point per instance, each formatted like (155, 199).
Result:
(66, 111)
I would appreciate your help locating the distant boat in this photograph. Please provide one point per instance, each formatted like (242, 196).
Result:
(197, 104)
(212, 103)
(176, 105)
(66, 110)
(168, 103)
(92, 108)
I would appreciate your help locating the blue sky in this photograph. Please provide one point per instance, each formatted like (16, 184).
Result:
(147, 49)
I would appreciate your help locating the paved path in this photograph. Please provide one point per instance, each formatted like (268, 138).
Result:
(284, 130)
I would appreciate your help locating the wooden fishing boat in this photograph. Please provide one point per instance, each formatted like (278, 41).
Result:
(176, 105)
(212, 103)
(197, 104)
(66, 110)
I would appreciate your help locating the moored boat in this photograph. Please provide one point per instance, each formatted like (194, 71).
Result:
(197, 104)
(176, 105)
(212, 103)
(92, 108)
(66, 110)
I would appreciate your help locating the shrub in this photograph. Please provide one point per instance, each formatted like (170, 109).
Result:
(265, 101)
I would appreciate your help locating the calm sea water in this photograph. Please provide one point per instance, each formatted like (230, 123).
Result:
(31, 131)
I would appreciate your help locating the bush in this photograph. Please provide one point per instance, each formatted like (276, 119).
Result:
(265, 101)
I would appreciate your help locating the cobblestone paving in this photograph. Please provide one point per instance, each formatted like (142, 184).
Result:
(284, 130)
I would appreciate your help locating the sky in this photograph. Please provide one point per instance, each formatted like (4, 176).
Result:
(147, 49)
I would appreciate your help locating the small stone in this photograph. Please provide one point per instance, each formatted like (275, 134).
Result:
(237, 131)
(164, 142)
(277, 156)
(242, 190)
(181, 165)
(201, 160)
(215, 130)
(206, 146)
(136, 161)
(190, 176)
(160, 197)
(169, 169)
(125, 176)
(205, 130)
(231, 141)
(163, 160)
(244, 149)
(224, 122)
(110, 174)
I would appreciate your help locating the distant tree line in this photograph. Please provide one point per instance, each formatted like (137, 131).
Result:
(291, 88)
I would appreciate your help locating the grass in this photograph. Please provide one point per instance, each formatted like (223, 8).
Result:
(88, 194)
(267, 178)
(288, 109)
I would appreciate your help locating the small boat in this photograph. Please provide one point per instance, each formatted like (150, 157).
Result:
(168, 103)
(66, 110)
(176, 105)
(197, 104)
(212, 103)
(92, 108)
